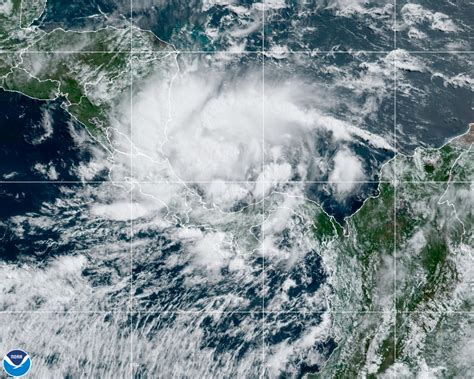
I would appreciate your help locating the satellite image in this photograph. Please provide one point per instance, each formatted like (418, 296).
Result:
(237, 188)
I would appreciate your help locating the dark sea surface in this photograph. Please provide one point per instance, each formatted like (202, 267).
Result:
(35, 132)
(79, 15)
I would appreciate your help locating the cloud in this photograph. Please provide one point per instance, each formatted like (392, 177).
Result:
(42, 131)
(6, 7)
(200, 129)
(205, 122)
(118, 211)
(415, 14)
(347, 172)
(210, 253)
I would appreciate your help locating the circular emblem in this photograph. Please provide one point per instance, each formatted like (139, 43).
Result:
(17, 363)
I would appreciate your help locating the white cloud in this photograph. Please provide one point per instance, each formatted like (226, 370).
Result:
(207, 125)
(415, 14)
(48, 171)
(56, 285)
(118, 211)
(346, 172)
(211, 252)
(6, 7)
(198, 131)
(405, 61)
(281, 354)
(43, 130)
(443, 22)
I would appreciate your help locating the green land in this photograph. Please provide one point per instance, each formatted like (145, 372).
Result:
(403, 267)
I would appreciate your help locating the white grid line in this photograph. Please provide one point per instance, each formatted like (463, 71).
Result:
(256, 52)
(268, 312)
(263, 195)
(275, 182)
(395, 183)
(131, 188)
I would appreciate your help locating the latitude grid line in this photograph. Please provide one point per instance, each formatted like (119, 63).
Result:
(180, 312)
(248, 52)
(132, 53)
(119, 182)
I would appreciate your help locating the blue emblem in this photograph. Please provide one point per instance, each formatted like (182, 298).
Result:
(17, 363)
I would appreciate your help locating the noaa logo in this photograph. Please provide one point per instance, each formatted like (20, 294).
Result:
(17, 363)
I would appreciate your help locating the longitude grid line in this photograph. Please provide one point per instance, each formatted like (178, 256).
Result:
(395, 182)
(263, 192)
(131, 189)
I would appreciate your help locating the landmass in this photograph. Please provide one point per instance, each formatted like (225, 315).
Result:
(405, 322)
(90, 71)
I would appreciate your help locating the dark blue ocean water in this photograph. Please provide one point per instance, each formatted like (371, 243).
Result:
(78, 15)
(26, 143)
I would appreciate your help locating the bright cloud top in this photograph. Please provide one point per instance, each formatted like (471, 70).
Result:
(204, 125)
